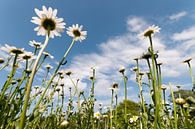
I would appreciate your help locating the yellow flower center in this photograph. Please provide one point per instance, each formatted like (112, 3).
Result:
(48, 24)
(76, 33)
(148, 33)
(1, 61)
(16, 51)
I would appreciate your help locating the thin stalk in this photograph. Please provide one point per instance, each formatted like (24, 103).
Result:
(7, 63)
(40, 64)
(155, 87)
(11, 75)
(174, 107)
(187, 123)
(27, 93)
(75, 86)
(91, 106)
(116, 110)
(44, 79)
(144, 117)
(164, 97)
(111, 104)
(125, 84)
(192, 77)
(55, 72)
(78, 104)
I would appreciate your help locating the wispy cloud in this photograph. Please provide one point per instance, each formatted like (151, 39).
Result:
(136, 24)
(178, 16)
(186, 34)
(120, 51)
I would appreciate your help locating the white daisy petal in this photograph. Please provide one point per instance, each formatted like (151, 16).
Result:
(45, 16)
(38, 12)
(54, 13)
(76, 32)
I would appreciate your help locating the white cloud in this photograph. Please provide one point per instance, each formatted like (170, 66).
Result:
(186, 34)
(136, 24)
(178, 16)
(121, 50)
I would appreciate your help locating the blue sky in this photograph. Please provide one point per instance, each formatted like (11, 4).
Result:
(113, 27)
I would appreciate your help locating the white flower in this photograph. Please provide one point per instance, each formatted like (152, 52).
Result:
(151, 30)
(61, 72)
(36, 87)
(187, 60)
(115, 86)
(122, 69)
(180, 101)
(27, 56)
(48, 54)
(65, 123)
(134, 69)
(58, 88)
(68, 73)
(163, 87)
(48, 66)
(76, 32)
(97, 115)
(35, 44)
(2, 60)
(133, 119)
(12, 50)
(47, 21)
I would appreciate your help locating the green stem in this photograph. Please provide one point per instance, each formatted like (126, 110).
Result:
(174, 106)
(7, 63)
(11, 75)
(192, 77)
(125, 84)
(111, 104)
(18, 86)
(116, 110)
(27, 93)
(53, 76)
(75, 86)
(155, 87)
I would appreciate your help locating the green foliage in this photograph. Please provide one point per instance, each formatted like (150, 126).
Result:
(184, 94)
(133, 109)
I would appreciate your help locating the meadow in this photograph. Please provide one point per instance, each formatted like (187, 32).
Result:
(25, 106)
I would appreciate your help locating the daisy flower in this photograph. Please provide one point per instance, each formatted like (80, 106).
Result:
(64, 123)
(151, 30)
(2, 60)
(187, 60)
(76, 32)
(97, 115)
(61, 72)
(163, 87)
(35, 44)
(27, 56)
(180, 101)
(133, 119)
(122, 69)
(46, 54)
(134, 69)
(115, 86)
(48, 66)
(36, 87)
(12, 50)
(68, 73)
(48, 22)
